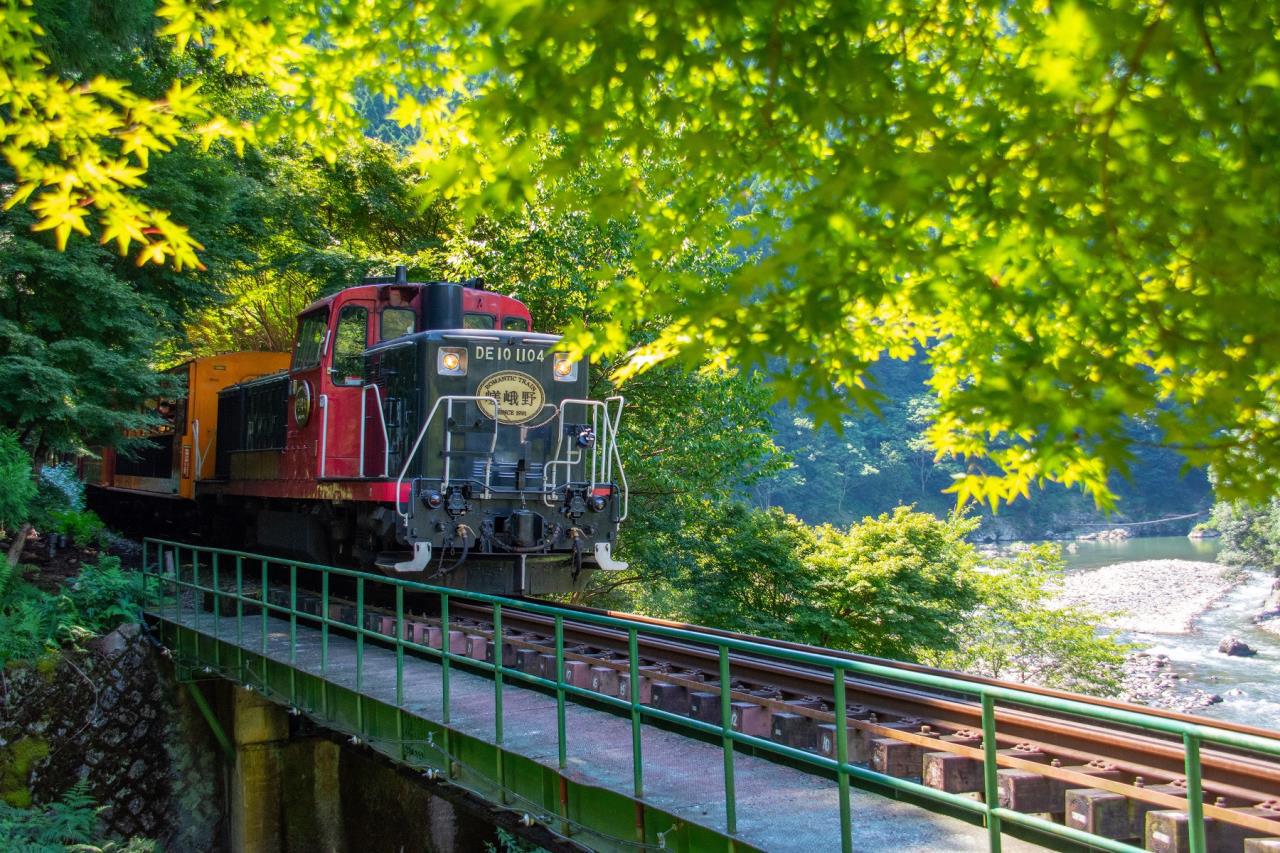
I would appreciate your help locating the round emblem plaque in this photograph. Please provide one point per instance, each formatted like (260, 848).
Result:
(519, 395)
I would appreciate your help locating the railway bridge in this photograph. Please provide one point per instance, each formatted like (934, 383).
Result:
(615, 732)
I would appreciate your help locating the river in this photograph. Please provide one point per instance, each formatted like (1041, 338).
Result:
(1250, 687)
(1095, 555)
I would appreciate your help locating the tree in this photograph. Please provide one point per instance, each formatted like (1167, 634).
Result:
(726, 565)
(1074, 203)
(898, 585)
(1250, 533)
(1017, 631)
(881, 460)
(317, 227)
(17, 491)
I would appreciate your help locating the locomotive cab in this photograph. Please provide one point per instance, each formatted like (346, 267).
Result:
(510, 468)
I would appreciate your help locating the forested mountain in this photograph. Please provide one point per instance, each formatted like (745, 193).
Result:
(880, 461)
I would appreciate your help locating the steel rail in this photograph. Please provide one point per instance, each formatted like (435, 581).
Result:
(1103, 702)
(1242, 777)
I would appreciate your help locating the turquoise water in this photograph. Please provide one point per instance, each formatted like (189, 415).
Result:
(1094, 555)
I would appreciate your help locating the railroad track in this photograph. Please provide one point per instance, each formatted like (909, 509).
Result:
(1099, 778)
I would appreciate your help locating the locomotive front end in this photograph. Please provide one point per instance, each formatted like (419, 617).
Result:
(515, 483)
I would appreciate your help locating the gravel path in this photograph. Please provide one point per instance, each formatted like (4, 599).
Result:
(1151, 596)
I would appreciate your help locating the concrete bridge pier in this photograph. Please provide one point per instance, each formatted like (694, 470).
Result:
(259, 732)
(285, 793)
(290, 791)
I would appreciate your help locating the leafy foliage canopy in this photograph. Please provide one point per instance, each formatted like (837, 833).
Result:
(1074, 203)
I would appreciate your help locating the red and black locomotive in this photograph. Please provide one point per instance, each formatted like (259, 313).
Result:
(419, 427)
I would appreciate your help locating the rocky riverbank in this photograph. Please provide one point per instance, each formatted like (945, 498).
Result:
(1154, 681)
(1150, 596)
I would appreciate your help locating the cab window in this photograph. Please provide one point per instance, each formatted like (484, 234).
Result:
(396, 322)
(472, 320)
(311, 331)
(350, 340)
(515, 324)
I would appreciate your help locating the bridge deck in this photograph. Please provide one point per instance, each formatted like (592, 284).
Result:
(778, 807)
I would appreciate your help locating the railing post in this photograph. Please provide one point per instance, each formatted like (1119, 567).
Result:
(293, 613)
(497, 700)
(401, 750)
(360, 655)
(197, 604)
(726, 745)
(637, 766)
(217, 611)
(293, 633)
(360, 634)
(991, 786)
(633, 668)
(142, 588)
(444, 679)
(561, 746)
(399, 646)
(324, 644)
(176, 578)
(842, 758)
(239, 617)
(1195, 795)
(217, 598)
(445, 657)
(265, 599)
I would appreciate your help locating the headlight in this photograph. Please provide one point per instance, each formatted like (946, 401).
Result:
(451, 361)
(563, 369)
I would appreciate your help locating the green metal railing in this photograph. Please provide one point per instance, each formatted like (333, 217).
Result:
(163, 560)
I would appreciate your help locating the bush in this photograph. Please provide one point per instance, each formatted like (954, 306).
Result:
(102, 598)
(66, 824)
(83, 526)
(28, 621)
(63, 480)
(17, 489)
(59, 505)
(896, 585)
(97, 601)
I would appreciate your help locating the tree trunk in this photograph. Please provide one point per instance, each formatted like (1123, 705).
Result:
(19, 542)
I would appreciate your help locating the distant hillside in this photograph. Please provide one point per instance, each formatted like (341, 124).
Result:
(881, 462)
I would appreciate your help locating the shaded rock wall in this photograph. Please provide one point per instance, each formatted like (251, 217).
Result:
(113, 715)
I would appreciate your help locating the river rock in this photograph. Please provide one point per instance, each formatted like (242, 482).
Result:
(1236, 648)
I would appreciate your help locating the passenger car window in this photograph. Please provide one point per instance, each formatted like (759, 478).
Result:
(349, 343)
(477, 321)
(515, 324)
(396, 322)
(311, 330)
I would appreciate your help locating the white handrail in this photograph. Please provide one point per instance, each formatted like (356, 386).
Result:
(604, 453)
(448, 438)
(195, 441)
(382, 421)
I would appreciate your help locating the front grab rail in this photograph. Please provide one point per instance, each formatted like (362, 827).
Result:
(449, 399)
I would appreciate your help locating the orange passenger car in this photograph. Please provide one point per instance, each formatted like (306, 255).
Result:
(180, 449)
